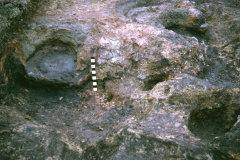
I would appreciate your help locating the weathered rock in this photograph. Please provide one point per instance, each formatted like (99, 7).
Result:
(116, 54)
(146, 56)
(53, 61)
(54, 65)
(160, 127)
(169, 14)
(166, 88)
(11, 20)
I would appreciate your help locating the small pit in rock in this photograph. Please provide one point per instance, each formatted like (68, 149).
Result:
(152, 80)
(110, 97)
(187, 32)
(211, 120)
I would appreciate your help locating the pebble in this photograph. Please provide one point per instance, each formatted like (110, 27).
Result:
(203, 27)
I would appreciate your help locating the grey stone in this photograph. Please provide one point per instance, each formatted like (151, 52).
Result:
(54, 66)
(203, 27)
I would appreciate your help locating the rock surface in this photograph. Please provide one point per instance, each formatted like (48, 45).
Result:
(167, 75)
(13, 14)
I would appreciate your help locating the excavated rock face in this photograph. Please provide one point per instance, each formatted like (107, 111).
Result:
(167, 80)
(150, 53)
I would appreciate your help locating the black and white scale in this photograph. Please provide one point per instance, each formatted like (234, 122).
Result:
(94, 77)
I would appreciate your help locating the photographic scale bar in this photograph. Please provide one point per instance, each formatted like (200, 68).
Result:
(94, 77)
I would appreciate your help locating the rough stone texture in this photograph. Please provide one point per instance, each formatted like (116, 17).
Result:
(182, 14)
(13, 14)
(167, 74)
(53, 65)
(118, 48)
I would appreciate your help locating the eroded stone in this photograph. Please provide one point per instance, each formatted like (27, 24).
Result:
(151, 102)
(54, 64)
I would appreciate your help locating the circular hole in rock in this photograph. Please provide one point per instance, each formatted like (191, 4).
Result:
(210, 123)
(53, 63)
